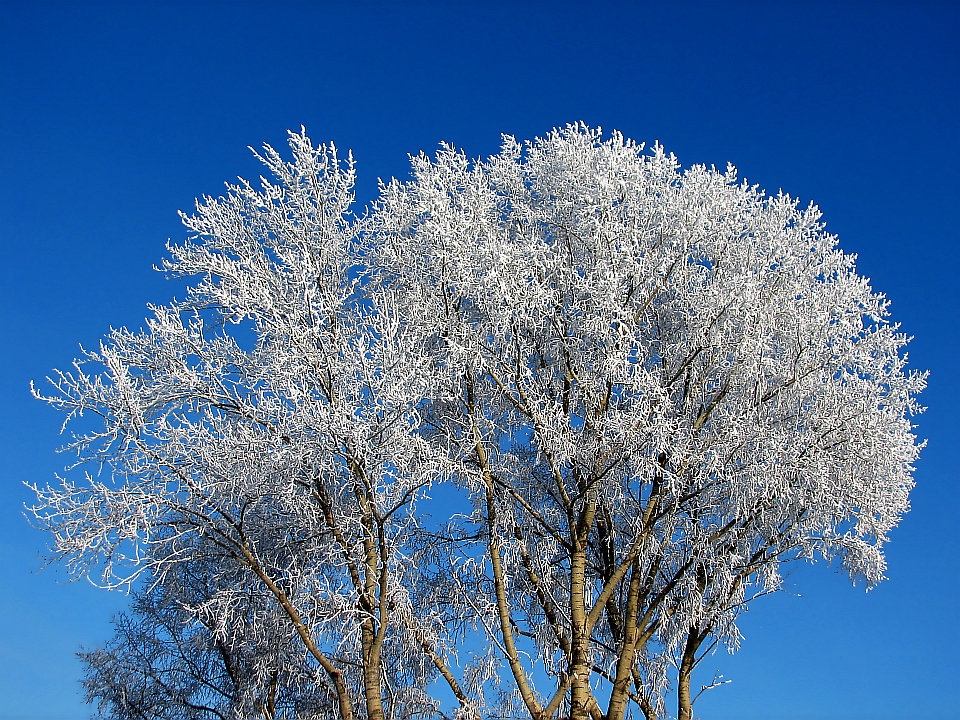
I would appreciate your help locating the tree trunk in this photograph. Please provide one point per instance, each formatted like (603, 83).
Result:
(684, 702)
(628, 644)
(372, 688)
(373, 596)
(581, 695)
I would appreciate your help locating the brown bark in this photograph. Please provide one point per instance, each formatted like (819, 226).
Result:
(372, 688)
(441, 666)
(621, 684)
(373, 599)
(581, 694)
(503, 608)
(344, 703)
(687, 663)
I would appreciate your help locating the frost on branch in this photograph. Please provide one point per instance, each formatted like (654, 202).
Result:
(534, 430)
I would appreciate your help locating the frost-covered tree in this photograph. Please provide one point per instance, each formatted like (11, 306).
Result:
(172, 659)
(535, 428)
(267, 422)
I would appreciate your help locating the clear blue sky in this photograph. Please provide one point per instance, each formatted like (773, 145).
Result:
(114, 116)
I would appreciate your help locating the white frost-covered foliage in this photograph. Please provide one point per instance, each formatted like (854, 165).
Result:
(171, 659)
(571, 399)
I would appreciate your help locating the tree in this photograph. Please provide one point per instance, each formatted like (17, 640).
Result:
(172, 659)
(536, 428)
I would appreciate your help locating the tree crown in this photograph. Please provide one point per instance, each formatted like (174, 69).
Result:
(572, 398)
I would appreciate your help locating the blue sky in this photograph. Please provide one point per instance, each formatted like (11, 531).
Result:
(114, 116)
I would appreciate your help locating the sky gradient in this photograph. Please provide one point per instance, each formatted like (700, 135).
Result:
(115, 116)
